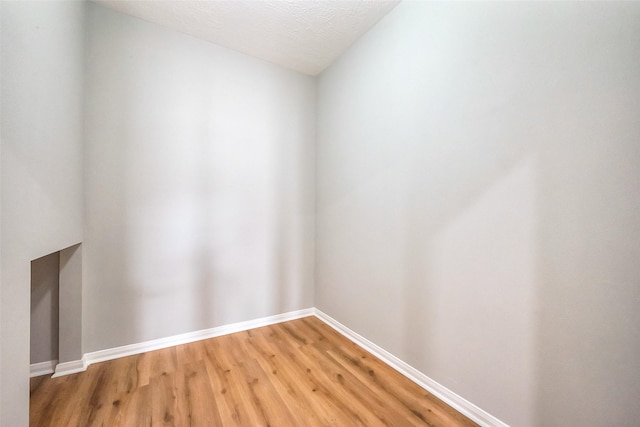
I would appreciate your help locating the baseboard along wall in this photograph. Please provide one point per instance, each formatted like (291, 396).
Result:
(455, 401)
(42, 368)
(142, 347)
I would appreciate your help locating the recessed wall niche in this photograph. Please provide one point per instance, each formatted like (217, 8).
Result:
(45, 281)
(56, 310)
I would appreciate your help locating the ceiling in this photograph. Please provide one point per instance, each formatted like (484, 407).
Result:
(302, 35)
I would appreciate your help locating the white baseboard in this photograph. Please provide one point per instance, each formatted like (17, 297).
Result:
(457, 402)
(131, 349)
(68, 368)
(42, 368)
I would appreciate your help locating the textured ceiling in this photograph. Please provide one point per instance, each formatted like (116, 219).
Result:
(303, 35)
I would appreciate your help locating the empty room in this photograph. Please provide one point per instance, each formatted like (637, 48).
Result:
(314, 213)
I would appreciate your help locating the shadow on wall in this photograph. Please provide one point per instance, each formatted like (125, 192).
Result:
(522, 231)
(521, 264)
(531, 283)
(471, 287)
(196, 208)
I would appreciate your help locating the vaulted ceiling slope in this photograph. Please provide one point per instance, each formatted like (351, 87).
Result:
(302, 35)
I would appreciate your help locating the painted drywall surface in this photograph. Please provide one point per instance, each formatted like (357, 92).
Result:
(477, 172)
(199, 185)
(44, 308)
(42, 75)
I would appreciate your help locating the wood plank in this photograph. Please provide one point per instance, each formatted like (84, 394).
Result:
(289, 384)
(196, 396)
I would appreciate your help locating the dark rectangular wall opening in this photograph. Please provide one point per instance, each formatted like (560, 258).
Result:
(45, 282)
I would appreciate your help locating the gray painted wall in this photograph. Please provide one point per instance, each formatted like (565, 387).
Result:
(42, 49)
(198, 186)
(477, 209)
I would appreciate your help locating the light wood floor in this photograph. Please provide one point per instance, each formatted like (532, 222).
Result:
(297, 373)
